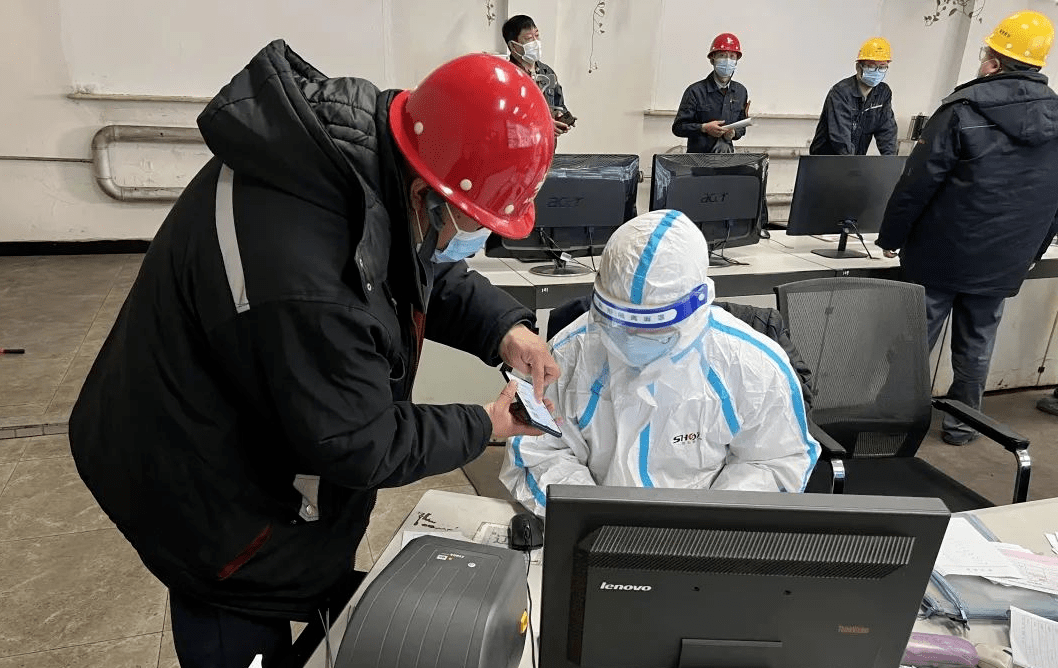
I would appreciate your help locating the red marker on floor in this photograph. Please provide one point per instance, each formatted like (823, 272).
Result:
(12, 351)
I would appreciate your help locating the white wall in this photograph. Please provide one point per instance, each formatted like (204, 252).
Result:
(651, 50)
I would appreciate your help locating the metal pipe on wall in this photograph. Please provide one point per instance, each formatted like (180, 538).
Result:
(147, 134)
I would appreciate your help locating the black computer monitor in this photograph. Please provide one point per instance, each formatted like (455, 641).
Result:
(667, 578)
(842, 193)
(585, 197)
(722, 193)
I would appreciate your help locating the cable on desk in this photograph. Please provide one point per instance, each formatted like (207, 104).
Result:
(854, 230)
(558, 251)
(529, 593)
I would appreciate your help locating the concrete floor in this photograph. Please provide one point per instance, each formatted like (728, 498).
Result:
(73, 592)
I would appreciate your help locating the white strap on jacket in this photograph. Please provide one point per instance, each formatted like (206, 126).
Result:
(229, 242)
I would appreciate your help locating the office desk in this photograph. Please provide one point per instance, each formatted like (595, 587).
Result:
(1022, 523)
(767, 265)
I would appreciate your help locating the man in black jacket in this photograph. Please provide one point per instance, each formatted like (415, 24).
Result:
(859, 108)
(255, 390)
(713, 102)
(977, 201)
(523, 40)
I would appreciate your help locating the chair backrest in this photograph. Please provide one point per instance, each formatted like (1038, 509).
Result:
(865, 340)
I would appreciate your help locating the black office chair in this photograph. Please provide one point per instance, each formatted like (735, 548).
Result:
(865, 340)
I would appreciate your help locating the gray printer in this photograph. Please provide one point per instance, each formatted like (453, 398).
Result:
(441, 603)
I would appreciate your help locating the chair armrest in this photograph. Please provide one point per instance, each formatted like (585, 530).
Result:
(1000, 433)
(831, 448)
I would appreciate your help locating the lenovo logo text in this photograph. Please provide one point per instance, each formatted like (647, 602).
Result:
(607, 585)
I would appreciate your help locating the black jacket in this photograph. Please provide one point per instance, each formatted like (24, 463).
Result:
(549, 85)
(848, 121)
(978, 199)
(198, 413)
(704, 101)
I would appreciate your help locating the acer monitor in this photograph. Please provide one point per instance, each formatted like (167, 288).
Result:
(677, 578)
(722, 193)
(584, 198)
(844, 194)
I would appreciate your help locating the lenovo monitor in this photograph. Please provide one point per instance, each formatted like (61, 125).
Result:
(676, 578)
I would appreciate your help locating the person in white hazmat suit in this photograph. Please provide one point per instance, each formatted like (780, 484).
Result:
(660, 389)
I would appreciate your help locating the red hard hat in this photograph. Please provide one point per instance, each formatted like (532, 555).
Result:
(725, 41)
(479, 132)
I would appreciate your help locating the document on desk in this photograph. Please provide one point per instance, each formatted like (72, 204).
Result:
(1038, 572)
(1033, 640)
(491, 533)
(966, 552)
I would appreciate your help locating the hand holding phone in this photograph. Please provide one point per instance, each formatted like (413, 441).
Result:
(564, 116)
(527, 410)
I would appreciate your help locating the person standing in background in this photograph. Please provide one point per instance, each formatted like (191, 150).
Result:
(523, 39)
(713, 102)
(977, 202)
(859, 108)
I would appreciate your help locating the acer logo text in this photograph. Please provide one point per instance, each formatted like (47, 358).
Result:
(607, 585)
(563, 202)
(712, 198)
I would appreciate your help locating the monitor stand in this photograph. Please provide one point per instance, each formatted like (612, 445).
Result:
(840, 252)
(560, 267)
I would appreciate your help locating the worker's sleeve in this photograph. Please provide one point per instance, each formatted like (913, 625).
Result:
(772, 450)
(534, 462)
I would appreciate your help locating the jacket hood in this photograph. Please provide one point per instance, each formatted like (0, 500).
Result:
(284, 122)
(1021, 104)
(325, 140)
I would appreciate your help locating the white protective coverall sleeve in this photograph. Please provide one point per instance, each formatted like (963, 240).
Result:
(532, 463)
(772, 450)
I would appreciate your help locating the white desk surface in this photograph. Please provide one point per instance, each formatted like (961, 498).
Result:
(1023, 524)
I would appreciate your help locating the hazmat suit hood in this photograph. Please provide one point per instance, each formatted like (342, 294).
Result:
(653, 287)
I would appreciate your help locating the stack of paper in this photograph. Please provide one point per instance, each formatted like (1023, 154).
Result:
(1036, 572)
(966, 552)
(1033, 640)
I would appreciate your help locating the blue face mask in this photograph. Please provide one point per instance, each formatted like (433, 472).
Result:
(463, 244)
(725, 67)
(871, 78)
(641, 350)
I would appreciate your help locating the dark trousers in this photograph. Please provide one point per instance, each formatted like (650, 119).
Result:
(209, 637)
(206, 636)
(974, 322)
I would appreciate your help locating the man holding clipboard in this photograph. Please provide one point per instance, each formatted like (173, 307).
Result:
(710, 106)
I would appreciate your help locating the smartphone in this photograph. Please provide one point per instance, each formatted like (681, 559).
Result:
(567, 118)
(527, 410)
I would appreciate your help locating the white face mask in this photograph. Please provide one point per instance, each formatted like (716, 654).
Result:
(725, 67)
(463, 244)
(531, 51)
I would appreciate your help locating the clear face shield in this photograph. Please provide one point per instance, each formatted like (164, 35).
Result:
(641, 335)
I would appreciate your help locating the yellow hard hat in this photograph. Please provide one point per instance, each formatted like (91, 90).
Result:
(1026, 37)
(876, 48)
